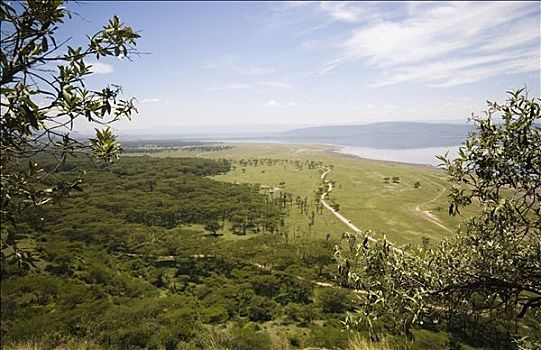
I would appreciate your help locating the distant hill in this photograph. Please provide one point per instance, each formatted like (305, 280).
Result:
(386, 135)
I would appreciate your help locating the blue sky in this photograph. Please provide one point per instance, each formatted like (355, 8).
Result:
(227, 63)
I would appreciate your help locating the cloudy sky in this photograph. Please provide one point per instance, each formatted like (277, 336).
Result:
(220, 63)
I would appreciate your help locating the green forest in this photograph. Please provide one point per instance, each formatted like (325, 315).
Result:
(128, 261)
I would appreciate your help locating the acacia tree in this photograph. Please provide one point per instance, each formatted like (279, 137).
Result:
(212, 226)
(43, 93)
(492, 267)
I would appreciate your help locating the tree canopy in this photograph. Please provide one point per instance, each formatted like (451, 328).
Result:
(43, 93)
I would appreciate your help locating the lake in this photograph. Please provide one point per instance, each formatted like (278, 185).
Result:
(412, 155)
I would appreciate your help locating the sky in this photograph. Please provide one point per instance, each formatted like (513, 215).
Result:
(315, 63)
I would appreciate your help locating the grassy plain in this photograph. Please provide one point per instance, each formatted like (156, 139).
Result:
(404, 213)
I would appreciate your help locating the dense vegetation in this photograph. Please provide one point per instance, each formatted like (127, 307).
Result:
(107, 265)
(44, 93)
(171, 145)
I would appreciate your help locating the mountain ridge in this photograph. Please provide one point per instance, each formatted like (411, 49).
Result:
(383, 135)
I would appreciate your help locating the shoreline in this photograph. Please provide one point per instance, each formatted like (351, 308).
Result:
(337, 153)
(332, 150)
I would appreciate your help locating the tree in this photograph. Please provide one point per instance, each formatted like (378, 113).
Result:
(212, 226)
(42, 94)
(491, 269)
(334, 300)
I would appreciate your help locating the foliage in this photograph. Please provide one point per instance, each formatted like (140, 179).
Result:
(97, 275)
(247, 338)
(335, 301)
(360, 343)
(330, 335)
(261, 309)
(490, 272)
(43, 93)
(212, 226)
(304, 314)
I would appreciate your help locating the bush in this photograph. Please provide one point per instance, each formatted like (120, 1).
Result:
(301, 313)
(265, 285)
(425, 339)
(247, 338)
(331, 335)
(261, 309)
(334, 301)
(214, 314)
(295, 290)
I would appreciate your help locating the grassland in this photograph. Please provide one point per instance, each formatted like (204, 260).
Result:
(404, 213)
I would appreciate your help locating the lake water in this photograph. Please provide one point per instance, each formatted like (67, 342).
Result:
(412, 155)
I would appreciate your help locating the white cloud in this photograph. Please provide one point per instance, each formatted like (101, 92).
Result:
(522, 33)
(315, 16)
(273, 103)
(154, 100)
(100, 67)
(448, 72)
(444, 44)
(328, 66)
(343, 11)
(515, 65)
(278, 105)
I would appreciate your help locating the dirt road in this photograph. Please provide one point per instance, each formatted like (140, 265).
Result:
(341, 217)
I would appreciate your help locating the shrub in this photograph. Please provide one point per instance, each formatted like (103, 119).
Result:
(331, 335)
(265, 285)
(334, 301)
(261, 309)
(425, 339)
(247, 338)
(301, 313)
(295, 290)
(214, 314)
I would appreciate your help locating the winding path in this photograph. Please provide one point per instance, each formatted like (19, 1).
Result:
(427, 214)
(341, 217)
